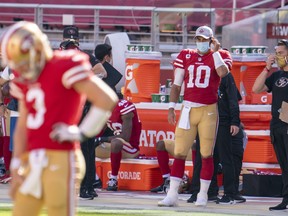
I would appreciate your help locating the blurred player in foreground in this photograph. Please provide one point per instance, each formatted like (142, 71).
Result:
(47, 164)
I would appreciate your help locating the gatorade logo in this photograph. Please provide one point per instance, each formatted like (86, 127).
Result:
(129, 71)
(127, 175)
(148, 138)
(264, 99)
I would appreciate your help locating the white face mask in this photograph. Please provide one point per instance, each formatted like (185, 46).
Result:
(202, 46)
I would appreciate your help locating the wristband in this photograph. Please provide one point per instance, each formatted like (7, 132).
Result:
(268, 70)
(218, 60)
(15, 163)
(172, 105)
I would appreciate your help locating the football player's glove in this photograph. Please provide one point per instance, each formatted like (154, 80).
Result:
(99, 140)
(62, 132)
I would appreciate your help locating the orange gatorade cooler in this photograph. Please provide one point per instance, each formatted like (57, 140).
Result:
(259, 148)
(255, 117)
(245, 70)
(134, 174)
(142, 75)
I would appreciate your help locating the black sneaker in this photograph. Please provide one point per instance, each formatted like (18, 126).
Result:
(112, 185)
(212, 198)
(162, 188)
(85, 196)
(97, 184)
(158, 189)
(192, 198)
(92, 193)
(281, 206)
(226, 200)
(239, 199)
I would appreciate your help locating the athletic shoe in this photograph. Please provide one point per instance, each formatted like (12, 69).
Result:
(158, 189)
(161, 188)
(97, 184)
(92, 193)
(112, 185)
(192, 198)
(5, 179)
(226, 200)
(239, 199)
(168, 201)
(85, 196)
(282, 206)
(212, 198)
(202, 199)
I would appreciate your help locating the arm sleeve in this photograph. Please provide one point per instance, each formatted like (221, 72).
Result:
(231, 91)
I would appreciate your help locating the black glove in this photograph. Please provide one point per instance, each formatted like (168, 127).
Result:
(99, 140)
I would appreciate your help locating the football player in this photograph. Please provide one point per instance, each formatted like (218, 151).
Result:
(200, 70)
(47, 164)
(125, 124)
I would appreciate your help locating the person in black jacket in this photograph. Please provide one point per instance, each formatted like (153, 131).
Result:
(103, 53)
(227, 136)
(277, 83)
(71, 41)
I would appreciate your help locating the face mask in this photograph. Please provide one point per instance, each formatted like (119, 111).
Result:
(281, 61)
(202, 46)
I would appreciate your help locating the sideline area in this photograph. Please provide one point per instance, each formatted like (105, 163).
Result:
(145, 203)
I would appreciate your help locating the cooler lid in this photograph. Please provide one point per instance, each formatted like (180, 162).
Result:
(249, 57)
(143, 55)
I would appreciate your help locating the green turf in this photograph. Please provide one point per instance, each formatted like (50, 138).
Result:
(6, 211)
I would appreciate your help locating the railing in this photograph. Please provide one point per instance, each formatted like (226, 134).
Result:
(168, 30)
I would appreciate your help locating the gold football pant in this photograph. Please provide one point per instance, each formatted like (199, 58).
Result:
(170, 145)
(203, 120)
(60, 183)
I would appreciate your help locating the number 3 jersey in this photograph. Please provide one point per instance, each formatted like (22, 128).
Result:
(51, 98)
(115, 121)
(201, 80)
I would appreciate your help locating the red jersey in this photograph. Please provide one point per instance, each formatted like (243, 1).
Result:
(201, 80)
(115, 121)
(51, 99)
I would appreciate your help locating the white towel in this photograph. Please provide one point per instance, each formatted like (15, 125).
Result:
(184, 121)
(32, 184)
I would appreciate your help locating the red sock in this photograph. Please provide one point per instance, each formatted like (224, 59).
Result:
(163, 161)
(194, 153)
(115, 162)
(6, 152)
(1, 146)
(207, 168)
(178, 168)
